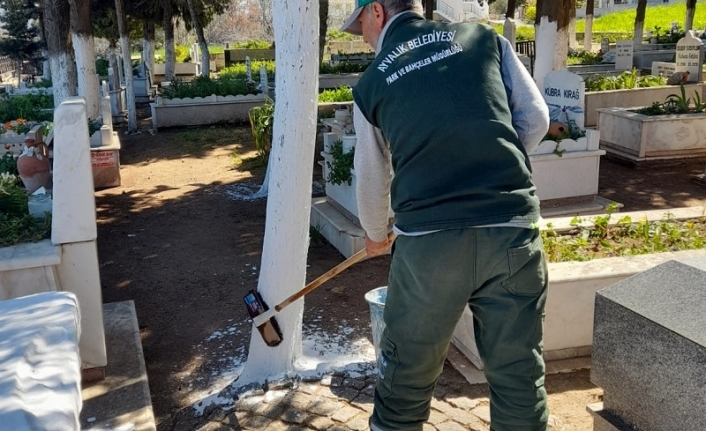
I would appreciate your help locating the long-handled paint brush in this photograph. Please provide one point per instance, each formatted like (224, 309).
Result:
(264, 318)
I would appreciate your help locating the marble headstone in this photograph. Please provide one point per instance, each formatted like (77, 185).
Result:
(623, 55)
(649, 348)
(264, 86)
(664, 68)
(564, 93)
(690, 55)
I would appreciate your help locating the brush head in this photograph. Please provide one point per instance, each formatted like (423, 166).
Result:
(269, 330)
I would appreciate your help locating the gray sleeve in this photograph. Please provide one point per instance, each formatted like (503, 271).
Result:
(530, 114)
(373, 177)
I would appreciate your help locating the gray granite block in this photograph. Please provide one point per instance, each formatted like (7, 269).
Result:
(649, 348)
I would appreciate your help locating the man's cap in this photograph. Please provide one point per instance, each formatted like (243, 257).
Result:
(352, 25)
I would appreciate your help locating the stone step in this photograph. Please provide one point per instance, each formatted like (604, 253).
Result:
(122, 400)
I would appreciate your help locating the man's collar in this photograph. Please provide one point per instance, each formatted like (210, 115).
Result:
(387, 25)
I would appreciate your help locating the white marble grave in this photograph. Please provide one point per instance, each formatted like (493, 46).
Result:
(574, 160)
(624, 55)
(40, 368)
(690, 56)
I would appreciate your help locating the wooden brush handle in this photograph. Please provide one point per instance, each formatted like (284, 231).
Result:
(362, 254)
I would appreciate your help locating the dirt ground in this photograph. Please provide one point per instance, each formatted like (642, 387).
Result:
(174, 240)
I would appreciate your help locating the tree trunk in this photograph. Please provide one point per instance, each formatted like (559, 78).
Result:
(283, 266)
(198, 28)
(57, 23)
(588, 30)
(169, 56)
(323, 26)
(690, 12)
(509, 27)
(148, 32)
(429, 9)
(127, 65)
(639, 22)
(571, 29)
(85, 54)
(551, 37)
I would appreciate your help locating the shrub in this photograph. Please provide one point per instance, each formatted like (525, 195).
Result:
(531, 13)
(343, 67)
(239, 71)
(28, 107)
(625, 80)
(252, 44)
(102, 65)
(261, 123)
(340, 94)
(204, 86)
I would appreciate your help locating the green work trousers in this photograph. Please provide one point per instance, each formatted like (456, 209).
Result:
(501, 273)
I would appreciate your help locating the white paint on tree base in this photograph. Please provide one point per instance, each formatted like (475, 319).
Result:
(545, 39)
(86, 70)
(637, 32)
(289, 195)
(509, 30)
(573, 44)
(148, 55)
(323, 353)
(61, 85)
(588, 33)
(129, 85)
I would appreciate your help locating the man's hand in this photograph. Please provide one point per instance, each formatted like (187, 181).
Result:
(375, 248)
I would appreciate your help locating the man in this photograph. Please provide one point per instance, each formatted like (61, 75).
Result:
(451, 110)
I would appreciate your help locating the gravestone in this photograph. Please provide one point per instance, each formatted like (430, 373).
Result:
(649, 349)
(264, 85)
(623, 55)
(564, 93)
(690, 56)
(664, 68)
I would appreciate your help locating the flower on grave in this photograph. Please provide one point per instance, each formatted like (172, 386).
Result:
(19, 126)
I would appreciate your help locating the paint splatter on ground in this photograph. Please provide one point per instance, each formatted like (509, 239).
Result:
(323, 352)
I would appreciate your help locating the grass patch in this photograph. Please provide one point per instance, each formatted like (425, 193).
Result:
(625, 238)
(619, 25)
(29, 107)
(655, 16)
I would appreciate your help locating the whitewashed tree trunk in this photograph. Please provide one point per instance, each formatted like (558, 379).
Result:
(509, 30)
(88, 88)
(546, 40)
(283, 266)
(637, 32)
(588, 33)
(571, 34)
(639, 22)
(689, 21)
(56, 22)
(561, 48)
(148, 47)
(127, 66)
(203, 46)
(62, 85)
(85, 55)
(169, 56)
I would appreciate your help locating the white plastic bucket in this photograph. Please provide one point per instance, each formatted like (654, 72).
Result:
(376, 300)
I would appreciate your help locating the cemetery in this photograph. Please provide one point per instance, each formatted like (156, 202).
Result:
(139, 207)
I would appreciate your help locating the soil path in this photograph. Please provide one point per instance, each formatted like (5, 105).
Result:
(173, 239)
